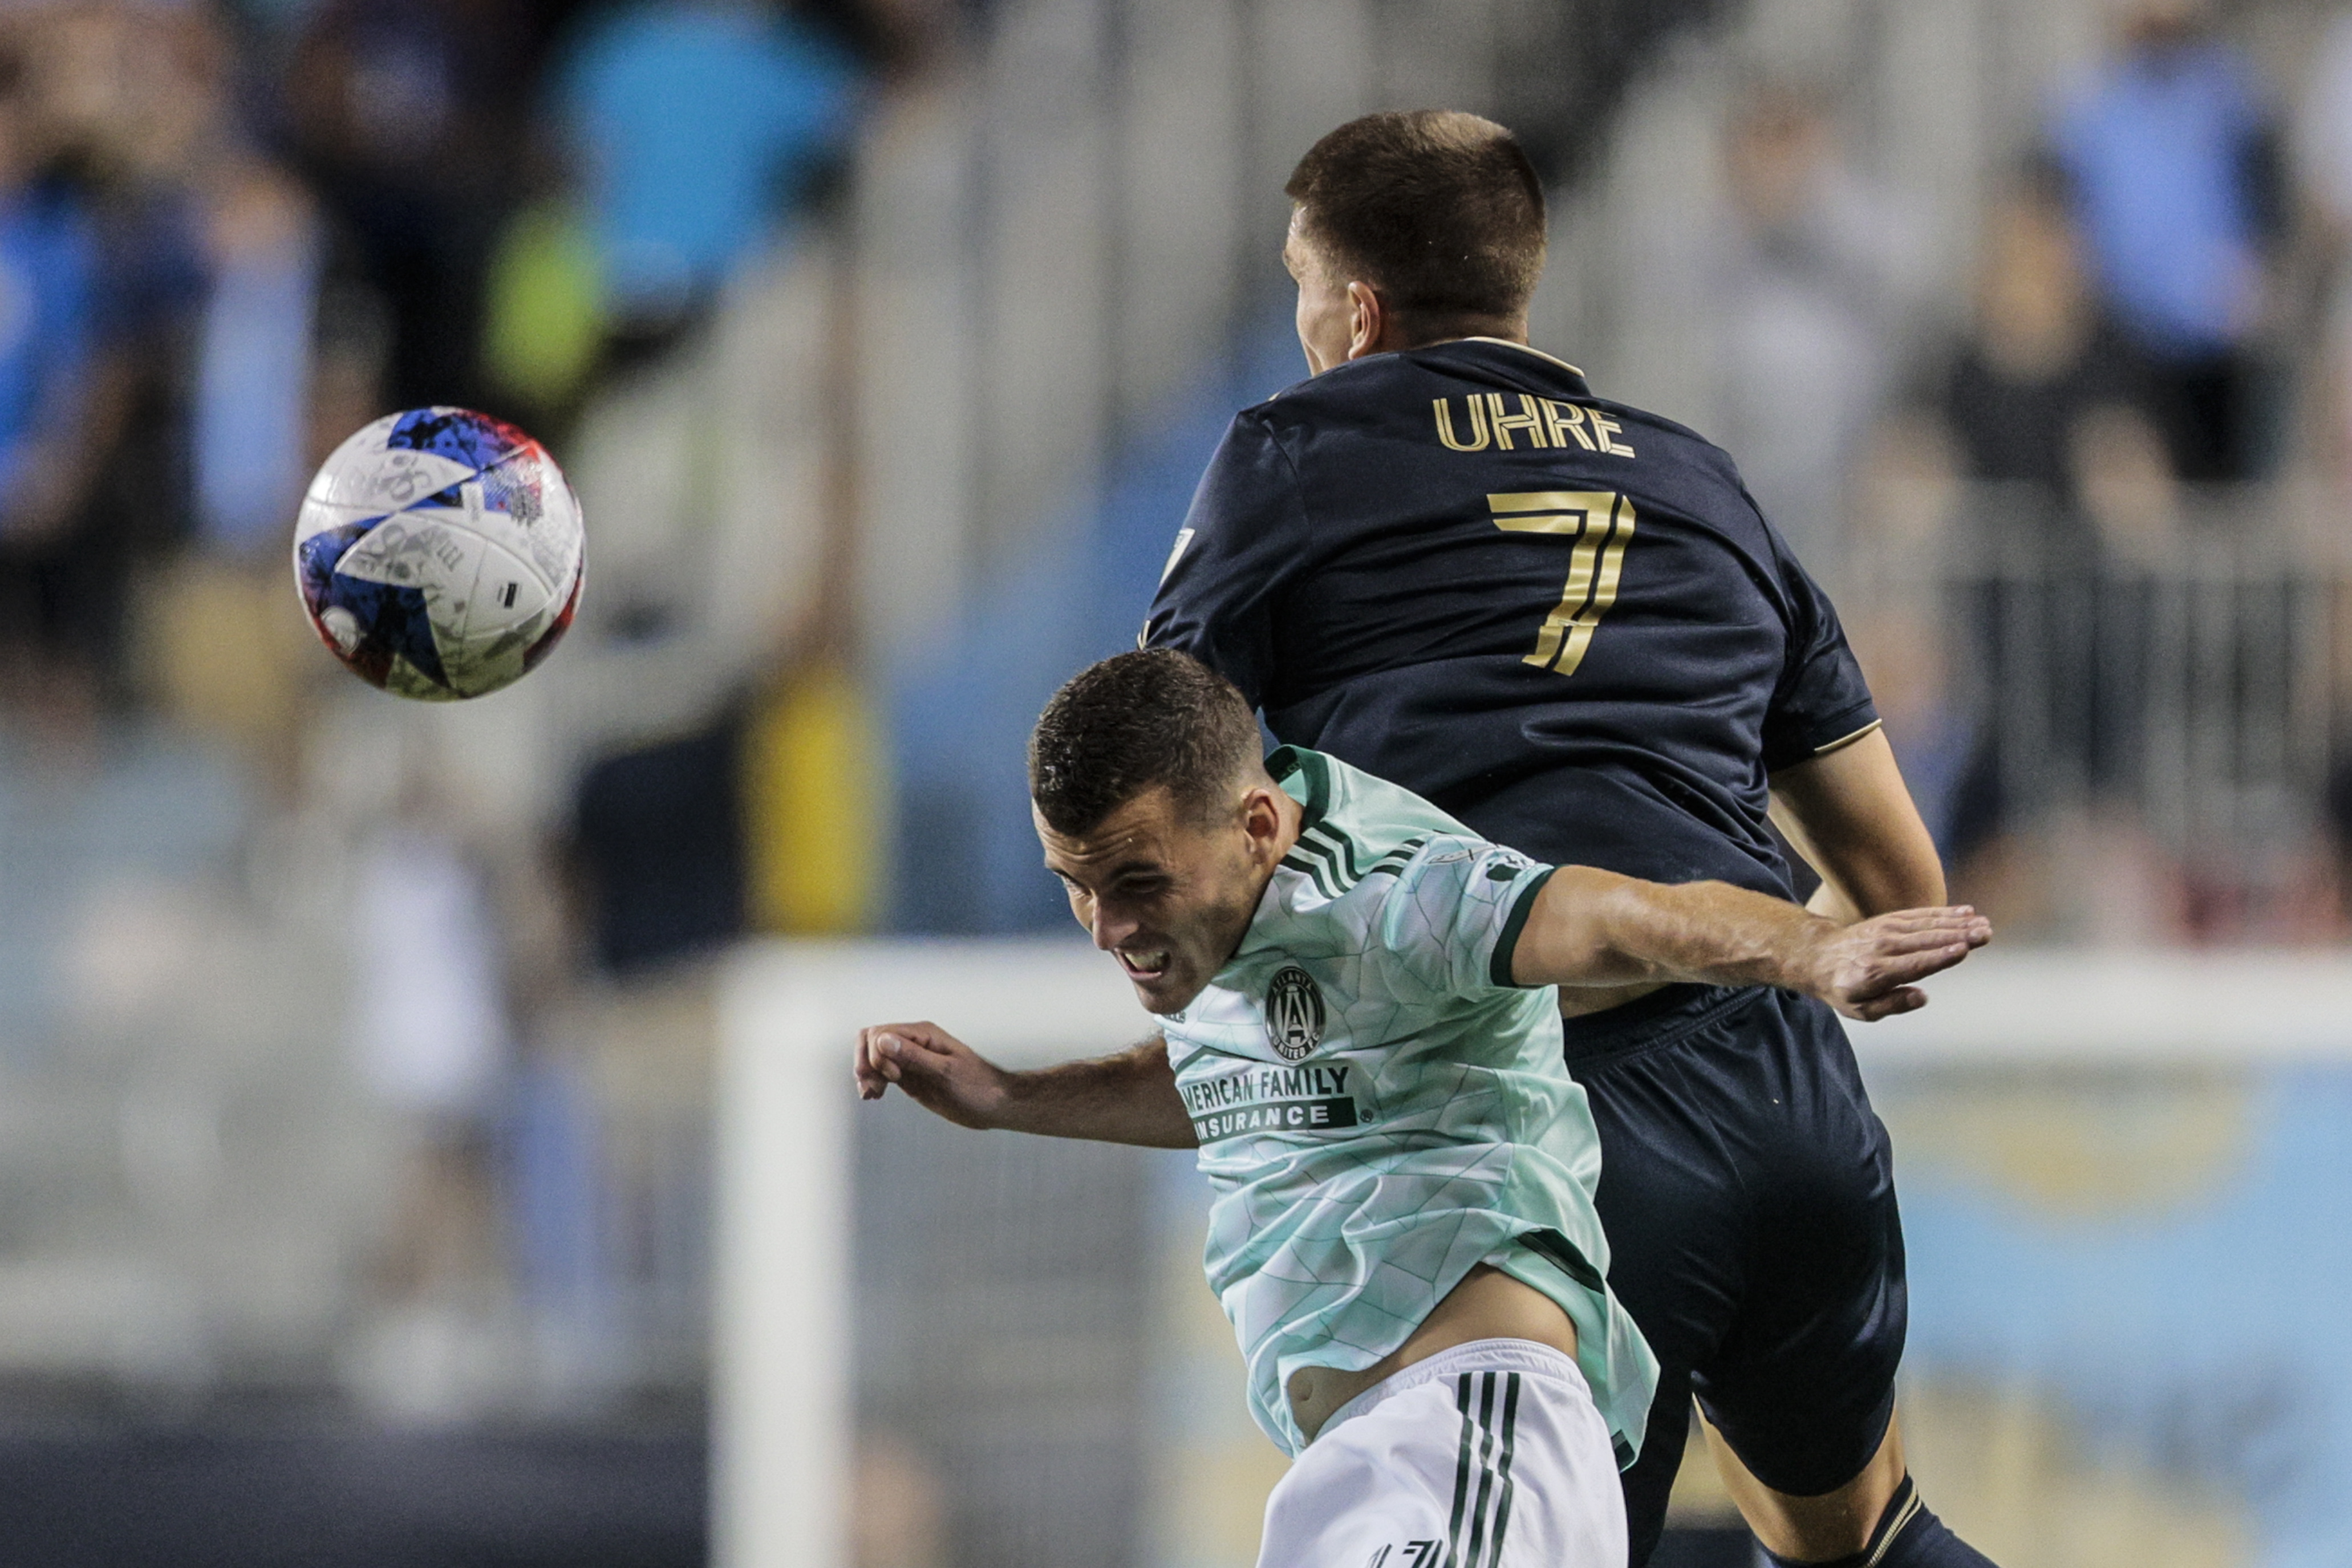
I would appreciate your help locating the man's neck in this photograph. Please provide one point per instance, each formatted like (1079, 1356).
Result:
(1291, 816)
(1290, 821)
(1409, 334)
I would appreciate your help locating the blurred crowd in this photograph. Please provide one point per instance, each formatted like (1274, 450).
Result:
(233, 234)
(2087, 519)
(230, 235)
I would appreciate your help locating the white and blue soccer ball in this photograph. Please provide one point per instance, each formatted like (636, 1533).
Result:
(440, 553)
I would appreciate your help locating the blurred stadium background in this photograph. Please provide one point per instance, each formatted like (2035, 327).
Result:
(360, 1061)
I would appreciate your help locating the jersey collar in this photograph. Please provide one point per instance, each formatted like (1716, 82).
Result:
(1313, 771)
(1305, 777)
(1580, 388)
(1525, 348)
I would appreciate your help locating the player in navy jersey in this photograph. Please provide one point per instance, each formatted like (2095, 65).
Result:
(1564, 621)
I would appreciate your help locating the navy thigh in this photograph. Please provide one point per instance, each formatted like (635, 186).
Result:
(1749, 1201)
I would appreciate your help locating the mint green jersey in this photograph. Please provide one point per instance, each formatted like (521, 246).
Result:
(1380, 1110)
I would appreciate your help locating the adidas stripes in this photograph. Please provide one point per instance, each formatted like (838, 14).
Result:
(1490, 1455)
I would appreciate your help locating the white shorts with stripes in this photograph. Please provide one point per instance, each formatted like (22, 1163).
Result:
(1490, 1455)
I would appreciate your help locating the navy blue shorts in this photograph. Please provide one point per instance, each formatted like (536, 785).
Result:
(1749, 1194)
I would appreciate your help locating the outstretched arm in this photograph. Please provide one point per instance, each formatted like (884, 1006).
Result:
(1594, 927)
(1130, 1098)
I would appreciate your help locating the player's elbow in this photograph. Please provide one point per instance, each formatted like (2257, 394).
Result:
(1880, 878)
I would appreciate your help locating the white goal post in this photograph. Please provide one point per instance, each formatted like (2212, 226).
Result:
(781, 1397)
(782, 1422)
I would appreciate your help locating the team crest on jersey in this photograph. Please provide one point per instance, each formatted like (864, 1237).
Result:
(1294, 1013)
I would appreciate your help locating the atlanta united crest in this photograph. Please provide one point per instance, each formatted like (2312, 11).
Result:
(1294, 1013)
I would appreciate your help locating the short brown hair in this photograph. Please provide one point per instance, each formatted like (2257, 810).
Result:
(1438, 210)
(1133, 723)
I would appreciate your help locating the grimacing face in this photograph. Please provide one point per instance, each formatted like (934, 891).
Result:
(1169, 897)
(1326, 316)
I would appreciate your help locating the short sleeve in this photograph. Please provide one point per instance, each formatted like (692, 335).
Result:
(1240, 543)
(1822, 700)
(1455, 917)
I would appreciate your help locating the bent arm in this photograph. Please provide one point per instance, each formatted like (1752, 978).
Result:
(1851, 816)
(1592, 927)
(1128, 1098)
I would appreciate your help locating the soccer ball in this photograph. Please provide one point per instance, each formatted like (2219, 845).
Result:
(439, 553)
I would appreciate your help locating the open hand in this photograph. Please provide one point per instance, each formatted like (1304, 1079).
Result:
(935, 1069)
(1867, 970)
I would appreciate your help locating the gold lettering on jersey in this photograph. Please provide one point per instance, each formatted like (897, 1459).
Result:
(1545, 422)
(1604, 427)
(1565, 420)
(1601, 524)
(1478, 441)
(1527, 419)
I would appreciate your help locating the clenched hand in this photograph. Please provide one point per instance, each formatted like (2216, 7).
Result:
(934, 1069)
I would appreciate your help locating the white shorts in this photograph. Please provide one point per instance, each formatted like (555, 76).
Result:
(1490, 1455)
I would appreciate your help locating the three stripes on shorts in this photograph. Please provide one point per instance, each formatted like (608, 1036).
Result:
(1482, 1480)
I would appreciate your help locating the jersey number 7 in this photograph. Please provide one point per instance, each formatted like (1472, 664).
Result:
(1601, 522)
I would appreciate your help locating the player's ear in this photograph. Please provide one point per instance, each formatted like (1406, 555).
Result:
(1261, 818)
(1367, 320)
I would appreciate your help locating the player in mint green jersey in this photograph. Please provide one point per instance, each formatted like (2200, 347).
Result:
(1360, 1034)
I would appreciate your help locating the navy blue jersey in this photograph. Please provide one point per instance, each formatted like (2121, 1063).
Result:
(1559, 618)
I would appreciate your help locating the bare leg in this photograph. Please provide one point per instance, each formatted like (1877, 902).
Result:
(1813, 1528)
